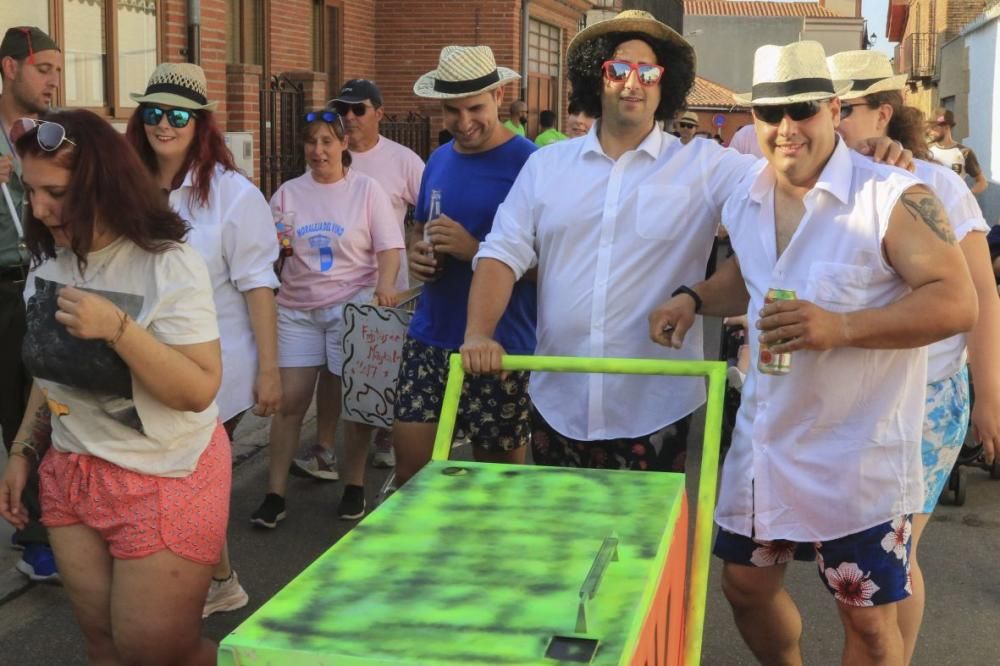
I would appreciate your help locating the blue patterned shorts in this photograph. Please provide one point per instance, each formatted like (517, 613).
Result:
(868, 568)
(946, 422)
(494, 414)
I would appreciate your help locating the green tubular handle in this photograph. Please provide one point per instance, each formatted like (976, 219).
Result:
(715, 371)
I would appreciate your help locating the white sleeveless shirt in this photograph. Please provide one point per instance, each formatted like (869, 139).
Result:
(833, 447)
(946, 357)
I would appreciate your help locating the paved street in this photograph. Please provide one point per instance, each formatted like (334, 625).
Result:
(959, 551)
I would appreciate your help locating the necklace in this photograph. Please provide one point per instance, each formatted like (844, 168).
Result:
(81, 280)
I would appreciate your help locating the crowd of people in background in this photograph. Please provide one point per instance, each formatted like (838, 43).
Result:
(158, 297)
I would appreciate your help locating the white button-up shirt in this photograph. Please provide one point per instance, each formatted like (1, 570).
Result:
(833, 447)
(234, 233)
(946, 357)
(612, 239)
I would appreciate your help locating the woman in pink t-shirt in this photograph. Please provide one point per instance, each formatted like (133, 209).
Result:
(344, 241)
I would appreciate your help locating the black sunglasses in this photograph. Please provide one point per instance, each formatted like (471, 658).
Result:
(686, 125)
(178, 118)
(847, 109)
(772, 114)
(358, 108)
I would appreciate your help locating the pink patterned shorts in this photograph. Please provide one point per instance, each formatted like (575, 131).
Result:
(139, 514)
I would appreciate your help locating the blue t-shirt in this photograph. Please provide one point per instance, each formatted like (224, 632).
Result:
(472, 188)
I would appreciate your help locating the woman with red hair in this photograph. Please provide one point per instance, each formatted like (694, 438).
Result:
(175, 134)
(123, 344)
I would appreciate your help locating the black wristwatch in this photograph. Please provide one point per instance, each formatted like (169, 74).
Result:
(683, 289)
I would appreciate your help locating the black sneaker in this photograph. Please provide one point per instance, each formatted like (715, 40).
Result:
(271, 512)
(352, 504)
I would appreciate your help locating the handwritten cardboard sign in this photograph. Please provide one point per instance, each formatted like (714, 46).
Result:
(373, 349)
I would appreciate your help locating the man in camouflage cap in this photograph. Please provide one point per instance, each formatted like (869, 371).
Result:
(30, 67)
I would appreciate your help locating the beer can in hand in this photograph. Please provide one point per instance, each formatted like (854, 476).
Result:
(769, 363)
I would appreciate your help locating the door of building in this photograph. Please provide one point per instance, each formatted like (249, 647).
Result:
(544, 65)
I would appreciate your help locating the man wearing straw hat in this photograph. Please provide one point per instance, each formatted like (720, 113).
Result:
(30, 66)
(873, 107)
(465, 180)
(638, 221)
(825, 460)
(637, 224)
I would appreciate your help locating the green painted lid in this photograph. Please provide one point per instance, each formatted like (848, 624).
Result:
(475, 564)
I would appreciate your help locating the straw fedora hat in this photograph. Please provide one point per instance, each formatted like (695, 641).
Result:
(463, 71)
(689, 117)
(179, 84)
(869, 71)
(631, 20)
(793, 73)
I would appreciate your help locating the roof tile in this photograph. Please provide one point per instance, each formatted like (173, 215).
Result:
(754, 8)
(709, 94)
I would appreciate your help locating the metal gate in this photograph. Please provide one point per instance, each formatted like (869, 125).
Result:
(414, 132)
(282, 107)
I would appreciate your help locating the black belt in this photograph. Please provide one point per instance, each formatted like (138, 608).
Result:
(13, 273)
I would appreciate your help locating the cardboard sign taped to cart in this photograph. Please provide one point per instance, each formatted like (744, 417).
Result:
(373, 349)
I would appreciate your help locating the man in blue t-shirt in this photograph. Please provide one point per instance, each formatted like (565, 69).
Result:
(472, 175)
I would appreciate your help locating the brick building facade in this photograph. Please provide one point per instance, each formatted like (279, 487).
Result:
(112, 46)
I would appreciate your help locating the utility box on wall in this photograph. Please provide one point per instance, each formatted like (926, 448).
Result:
(240, 144)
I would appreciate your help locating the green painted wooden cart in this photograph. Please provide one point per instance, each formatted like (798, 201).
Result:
(476, 564)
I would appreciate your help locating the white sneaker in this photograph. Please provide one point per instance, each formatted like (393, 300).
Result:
(384, 457)
(735, 377)
(226, 595)
(318, 463)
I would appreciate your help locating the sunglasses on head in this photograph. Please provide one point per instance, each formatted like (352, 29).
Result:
(618, 71)
(357, 108)
(323, 115)
(772, 114)
(178, 118)
(50, 136)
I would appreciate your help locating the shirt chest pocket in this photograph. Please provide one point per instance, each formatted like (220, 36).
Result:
(843, 286)
(660, 211)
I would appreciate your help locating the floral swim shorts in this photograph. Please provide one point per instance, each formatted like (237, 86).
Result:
(946, 422)
(494, 413)
(868, 568)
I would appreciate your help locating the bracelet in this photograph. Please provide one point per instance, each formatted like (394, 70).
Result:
(121, 330)
(25, 446)
(692, 293)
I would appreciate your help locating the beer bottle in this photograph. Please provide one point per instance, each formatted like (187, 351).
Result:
(433, 213)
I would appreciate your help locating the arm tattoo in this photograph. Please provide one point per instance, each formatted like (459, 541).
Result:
(926, 208)
(41, 429)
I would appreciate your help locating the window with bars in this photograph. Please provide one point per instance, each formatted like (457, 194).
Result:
(543, 48)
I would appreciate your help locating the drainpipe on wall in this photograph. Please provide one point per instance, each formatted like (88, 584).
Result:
(524, 49)
(194, 31)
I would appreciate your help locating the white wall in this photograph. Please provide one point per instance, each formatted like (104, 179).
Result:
(983, 42)
(984, 95)
(835, 35)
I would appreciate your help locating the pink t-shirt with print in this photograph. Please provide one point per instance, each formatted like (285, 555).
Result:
(339, 228)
